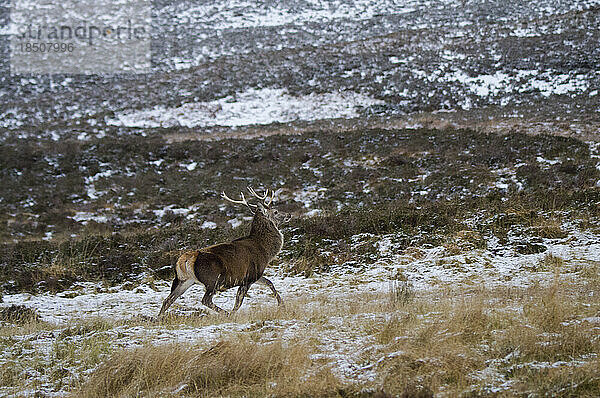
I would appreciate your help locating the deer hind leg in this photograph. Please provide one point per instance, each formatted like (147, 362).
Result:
(177, 290)
(207, 301)
(239, 298)
(269, 284)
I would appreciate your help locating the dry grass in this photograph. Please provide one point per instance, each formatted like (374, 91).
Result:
(237, 367)
(533, 338)
(464, 241)
(550, 228)
(540, 340)
(587, 130)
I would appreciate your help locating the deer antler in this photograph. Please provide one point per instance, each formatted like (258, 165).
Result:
(243, 201)
(264, 198)
(270, 199)
(253, 192)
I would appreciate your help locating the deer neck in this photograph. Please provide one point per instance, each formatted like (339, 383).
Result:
(267, 235)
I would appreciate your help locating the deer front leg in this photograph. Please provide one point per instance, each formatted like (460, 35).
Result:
(264, 281)
(207, 301)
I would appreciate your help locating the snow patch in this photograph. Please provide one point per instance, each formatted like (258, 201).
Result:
(244, 14)
(83, 217)
(520, 81)
(208, 225)
(254, 106)
(172, 209)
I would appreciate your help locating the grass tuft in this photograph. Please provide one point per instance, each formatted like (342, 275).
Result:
(19, 314)
(229, 367)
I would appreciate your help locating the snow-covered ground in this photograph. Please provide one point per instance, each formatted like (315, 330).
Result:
(244, 14)
(342, 20)
(430, 269)
(422, 269)
(298, 60)
(254, 106)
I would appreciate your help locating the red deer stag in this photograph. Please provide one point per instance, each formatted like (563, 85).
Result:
(237, 263)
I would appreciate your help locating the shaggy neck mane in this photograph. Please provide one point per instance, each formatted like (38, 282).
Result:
(266, 234)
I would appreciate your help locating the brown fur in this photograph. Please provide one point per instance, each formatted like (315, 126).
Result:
(237, 263)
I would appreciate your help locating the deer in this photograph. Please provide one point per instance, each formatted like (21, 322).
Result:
(240, 262)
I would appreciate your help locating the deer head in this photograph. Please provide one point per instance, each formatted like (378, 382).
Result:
(263, 208)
